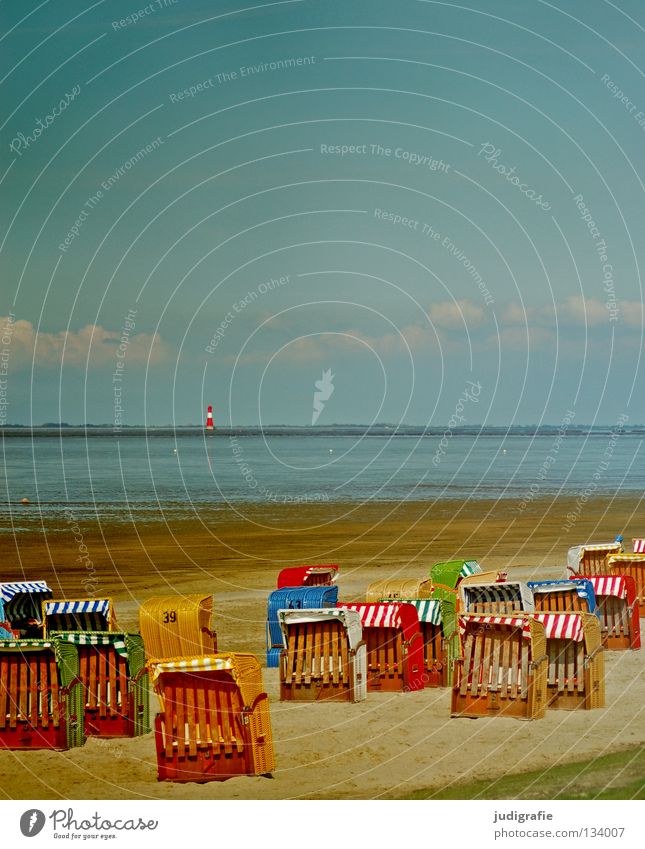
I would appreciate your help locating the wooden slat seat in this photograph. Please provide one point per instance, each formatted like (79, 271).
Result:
(632, 565)
(214, 721)
(40, 696)
(394, 646)
(324, 655)
(576, 666)
(591, 559)
(617, 609)
(575, 595)
(115, 682)
(503, 668)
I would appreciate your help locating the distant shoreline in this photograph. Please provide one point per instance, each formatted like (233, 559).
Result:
(380, 430)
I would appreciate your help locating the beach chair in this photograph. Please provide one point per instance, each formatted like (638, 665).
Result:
(450, 573)
(566, 596)
(438, 625)
(214, 718)
(617, 608)
(79, 614)
(503, 668)
(393, 589)
(308, 576)
(116, 688)
(292, 598)
(632, 565)
(394, 646)
(23, 606)
(324, 656)
(591, 558)
(41, 697)
(177, 625)
(576, 663)
(638, 545)
(499, 596)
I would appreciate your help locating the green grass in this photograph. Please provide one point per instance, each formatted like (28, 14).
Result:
(620, 775)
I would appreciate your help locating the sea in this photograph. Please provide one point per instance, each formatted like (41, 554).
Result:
(162, 473)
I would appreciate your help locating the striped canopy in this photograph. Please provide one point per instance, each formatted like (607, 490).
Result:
(88, 605)
(9, 590)
(193, 664)
(85, 638)
(428, 609)
(613, 585)
(513, 621)
(510, 592)
(561, 626)
(639, 546)
(470, 567)
(378, 615)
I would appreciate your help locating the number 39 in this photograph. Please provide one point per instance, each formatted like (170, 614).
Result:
(169, 616)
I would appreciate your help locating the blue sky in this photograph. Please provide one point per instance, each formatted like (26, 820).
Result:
(255, 193)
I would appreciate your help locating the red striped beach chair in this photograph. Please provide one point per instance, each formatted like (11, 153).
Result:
(503, 668)
(576, 663)
(214, 721)
(324, 656)
(638, 545)
(617, 608)
(632, 565)
(394, 646)
(591, 558)
(308, 576)
(438, 624)
(41, 698)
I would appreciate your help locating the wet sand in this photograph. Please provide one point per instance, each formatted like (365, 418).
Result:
(388, 745)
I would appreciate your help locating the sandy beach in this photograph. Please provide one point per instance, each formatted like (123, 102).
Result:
(386, 746)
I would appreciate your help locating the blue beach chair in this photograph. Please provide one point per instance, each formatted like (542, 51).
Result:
(292, 598)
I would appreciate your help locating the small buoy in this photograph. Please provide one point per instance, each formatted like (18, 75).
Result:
(25, 501)
(331, 450)
(503, 450)
(174, 450)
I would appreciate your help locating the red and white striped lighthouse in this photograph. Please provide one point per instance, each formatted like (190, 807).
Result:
(209, 418)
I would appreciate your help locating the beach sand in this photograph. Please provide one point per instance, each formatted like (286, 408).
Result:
(390, 744)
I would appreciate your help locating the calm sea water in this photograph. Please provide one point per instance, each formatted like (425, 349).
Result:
(159, 475)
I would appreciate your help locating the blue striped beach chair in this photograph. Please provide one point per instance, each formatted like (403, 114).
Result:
(23, 605)
(573, 596)
(293, 598)
(79, 614)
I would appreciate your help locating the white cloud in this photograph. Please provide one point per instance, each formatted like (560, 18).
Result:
(72, 347)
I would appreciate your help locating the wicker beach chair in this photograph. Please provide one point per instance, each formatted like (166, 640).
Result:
(214, 720)
(41, 696)
(503, 668)
(23, 606)
(394, 646)
(308, 576)
(576, 663)
(450, 573)
(177, 625)
(79, 614)
(574, 595)
(393, 589)
(116, 687)
(632, 565)
(324, 656)
(617, 608)
(292, 598)
(591, 558)
(481, 596)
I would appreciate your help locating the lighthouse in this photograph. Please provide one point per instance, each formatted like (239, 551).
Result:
(209, 418)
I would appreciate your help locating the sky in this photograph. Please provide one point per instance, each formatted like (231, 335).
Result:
(230, 203)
